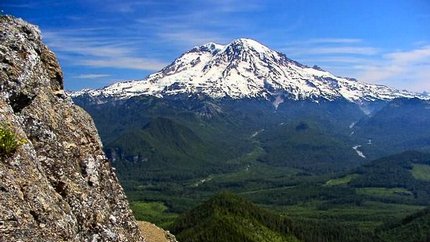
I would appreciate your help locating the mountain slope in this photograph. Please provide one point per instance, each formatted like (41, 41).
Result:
(307, 145)
(397, 178)
(413, 228)
(161, 144)
(399, 125)
(245, 68)
(160, 133)
(228, 217)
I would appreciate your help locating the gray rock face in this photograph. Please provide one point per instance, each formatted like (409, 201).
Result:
(58, 186)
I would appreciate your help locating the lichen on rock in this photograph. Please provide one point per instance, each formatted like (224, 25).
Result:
(57, 186)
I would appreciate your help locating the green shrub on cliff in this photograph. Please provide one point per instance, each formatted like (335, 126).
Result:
(9, 141)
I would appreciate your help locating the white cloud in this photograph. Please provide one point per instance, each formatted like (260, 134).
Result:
(200, 26)
(99, 52)
(337, 60)
(192, 37)
(91, 76)
(404, 57)
(185, 30)
(405, 69)
(19, 5)
(354, 50)
(234, 6)
(332, 41)
(125, 63)
(342, 56)
(409, 69)
(126, 7)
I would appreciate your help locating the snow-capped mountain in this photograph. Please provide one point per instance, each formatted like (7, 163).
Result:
(245, 68)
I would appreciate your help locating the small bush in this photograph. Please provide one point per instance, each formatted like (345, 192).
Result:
(9, 141)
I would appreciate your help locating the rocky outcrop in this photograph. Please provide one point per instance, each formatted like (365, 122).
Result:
(154, 233)
(58, 185)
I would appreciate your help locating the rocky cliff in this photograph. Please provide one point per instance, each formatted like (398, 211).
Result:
(57, 185)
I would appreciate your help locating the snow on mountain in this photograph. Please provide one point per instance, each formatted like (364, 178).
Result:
(245, 68)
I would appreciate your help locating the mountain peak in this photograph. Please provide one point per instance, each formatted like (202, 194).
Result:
(248, 43)
(237, 47)
(209, 47)
(245, 68)
(236, 44)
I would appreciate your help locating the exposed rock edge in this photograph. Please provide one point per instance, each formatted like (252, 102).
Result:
(58, 186)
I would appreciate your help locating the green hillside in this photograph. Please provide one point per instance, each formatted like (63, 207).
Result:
(162, 140)
(307, 145)
(414, 228)
(228, 217)
(401, 125)
(396, 173)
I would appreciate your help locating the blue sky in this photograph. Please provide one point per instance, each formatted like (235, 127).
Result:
(100, 42)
